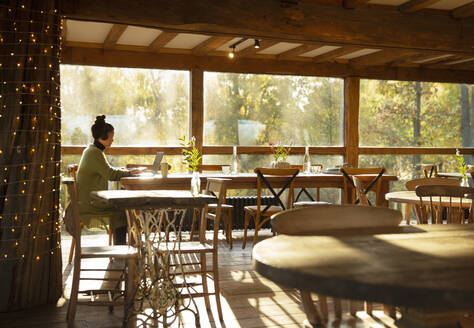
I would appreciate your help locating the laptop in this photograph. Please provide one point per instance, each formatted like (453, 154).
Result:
(156, 164)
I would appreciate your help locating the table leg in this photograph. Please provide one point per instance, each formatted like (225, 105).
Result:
(311, 312)
(415, 318)
(384, 189)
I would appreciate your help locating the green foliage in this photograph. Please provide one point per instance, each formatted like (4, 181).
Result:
(280, 151)
(190, 157)
(461, 165)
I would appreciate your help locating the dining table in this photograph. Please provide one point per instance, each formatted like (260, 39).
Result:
(155, 220)
(425, 270)
(178, 181)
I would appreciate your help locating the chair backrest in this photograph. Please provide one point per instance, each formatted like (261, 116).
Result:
(412, 184)
(217, 188)
(72, 170)
(72, 219)
(360, 192)
(366, 175)
(287, 182)
(147, 166)
(440, 197)
(318, 219)
(430, 170)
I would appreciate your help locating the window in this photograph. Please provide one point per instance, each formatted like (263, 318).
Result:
(257, 109)
(146, 106)
(410, 114)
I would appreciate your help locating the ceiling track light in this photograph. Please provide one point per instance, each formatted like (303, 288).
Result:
(256, 44)
(234, 45)
(232, 53)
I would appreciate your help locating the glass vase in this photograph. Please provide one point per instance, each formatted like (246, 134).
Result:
(465, 182)
(195, 184)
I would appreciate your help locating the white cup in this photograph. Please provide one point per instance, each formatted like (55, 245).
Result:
(164, 170)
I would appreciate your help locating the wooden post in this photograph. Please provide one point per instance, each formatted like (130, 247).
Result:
(351, 120)
(30, 154)
(196, 123)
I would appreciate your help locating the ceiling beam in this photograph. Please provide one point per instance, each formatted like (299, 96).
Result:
(161, 40)
(307, 22)
(115, 33)
(351, 4)
(251, 50)
(464, 11)
(381, 57)
(333, 54)
(304, 48)
(210, 44)
(415, 5)
(117, 58)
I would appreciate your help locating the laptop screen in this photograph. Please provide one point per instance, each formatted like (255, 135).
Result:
(157, 162)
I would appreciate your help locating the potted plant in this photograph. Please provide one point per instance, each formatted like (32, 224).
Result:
(191, 158)
(462, 168)
(280, 154)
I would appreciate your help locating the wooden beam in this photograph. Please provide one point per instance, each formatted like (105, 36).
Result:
(381, 57)
(412, 151)
(196, 122)
(351, 120)
(307, 22)
(464, 11)
(251, 50)
(115, 33)
(329, 56)
(161, 40)
(210, 44)
(304, 48)
(415, 5)
(117, 58)
(351, 4)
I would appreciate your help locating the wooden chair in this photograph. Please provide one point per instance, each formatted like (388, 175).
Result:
(450, 197)
(371, 184)
(302, 191)
(227, 209)
(412, 184)
(360, 192)
(122, 252)
(201, 248)
(328, 219)
(260, 214)
(72, 169)
(430, 170)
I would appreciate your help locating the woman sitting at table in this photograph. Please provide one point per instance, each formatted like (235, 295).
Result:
(93, 174)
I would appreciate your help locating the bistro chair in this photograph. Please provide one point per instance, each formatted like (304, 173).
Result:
(364, 174)
(449, 197)
(100, 297)
(328, 219)
(412, 184)
(197, 250)
(72, 169)
(430, 170)
(261, 213)
(311, 201)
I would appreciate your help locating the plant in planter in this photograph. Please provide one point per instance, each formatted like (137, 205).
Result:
(280, 155)
(462, 167)
(191, 158)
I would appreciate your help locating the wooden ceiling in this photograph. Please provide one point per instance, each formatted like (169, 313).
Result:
(418, 37)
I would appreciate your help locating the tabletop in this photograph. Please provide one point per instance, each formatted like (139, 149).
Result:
(411, 198)
(423, 266)
(143, 199)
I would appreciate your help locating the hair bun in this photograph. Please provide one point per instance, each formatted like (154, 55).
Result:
(100, 119)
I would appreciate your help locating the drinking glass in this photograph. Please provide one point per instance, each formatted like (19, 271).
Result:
(315, 169)
(226, 169)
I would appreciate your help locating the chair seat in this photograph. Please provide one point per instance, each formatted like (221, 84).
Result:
(119, 251)
(309, 203)
(223, 206)
(187, 247)
(271, 210)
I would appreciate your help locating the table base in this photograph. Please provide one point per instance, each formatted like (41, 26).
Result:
(414, 318)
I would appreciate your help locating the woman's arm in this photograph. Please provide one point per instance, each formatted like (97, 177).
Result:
(109, 172)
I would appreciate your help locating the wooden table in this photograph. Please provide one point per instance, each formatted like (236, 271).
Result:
(246, 181)
(429, 268)
(410, 197)
(152, 215)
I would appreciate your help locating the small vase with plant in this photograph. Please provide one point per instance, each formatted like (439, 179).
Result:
(280, 155)
(191, 158)
(462, 168)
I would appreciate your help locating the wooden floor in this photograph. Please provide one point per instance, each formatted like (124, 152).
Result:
(248, 299)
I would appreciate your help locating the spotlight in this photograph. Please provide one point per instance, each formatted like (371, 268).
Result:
(256, 44)
(232, 53)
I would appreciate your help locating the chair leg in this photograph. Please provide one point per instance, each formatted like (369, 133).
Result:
(318, 194)
(352, 308)
(311, 311)
(193, 225)
(368, 306)
(71, 251)
(72, 307)
(257, 228)
(229, 231)
(204, 281)
(337, 308)
(110, 232)
(408, 214)
(130, 282)
(246, 224)
(323, 304)
(217, 290)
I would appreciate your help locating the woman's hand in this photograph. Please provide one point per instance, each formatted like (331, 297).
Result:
(136, 170)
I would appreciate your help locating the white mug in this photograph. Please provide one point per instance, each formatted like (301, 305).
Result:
(164, 170)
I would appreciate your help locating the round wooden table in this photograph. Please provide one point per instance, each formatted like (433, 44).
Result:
(410, 197)
(425, 267)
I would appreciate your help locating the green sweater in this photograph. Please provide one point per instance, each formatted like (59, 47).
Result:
(93, 174)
